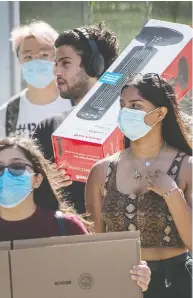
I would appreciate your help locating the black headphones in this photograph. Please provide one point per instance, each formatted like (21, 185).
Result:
(96, 65)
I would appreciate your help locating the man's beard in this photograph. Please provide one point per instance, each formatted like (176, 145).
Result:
(78, 89)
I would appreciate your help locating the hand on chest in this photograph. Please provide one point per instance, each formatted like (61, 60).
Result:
(137, 178)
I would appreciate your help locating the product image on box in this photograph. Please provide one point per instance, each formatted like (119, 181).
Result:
(182, 76)
(132, 63)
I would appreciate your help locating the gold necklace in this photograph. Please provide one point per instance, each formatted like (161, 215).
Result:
(137, 175)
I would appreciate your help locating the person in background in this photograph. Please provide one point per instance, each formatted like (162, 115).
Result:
(22, 170)
(148, 186)
(34, 46)
(82, 56)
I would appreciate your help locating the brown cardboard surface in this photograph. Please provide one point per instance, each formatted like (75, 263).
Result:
(5, 286)
(82, 270)
(5, 245)
(20, 244)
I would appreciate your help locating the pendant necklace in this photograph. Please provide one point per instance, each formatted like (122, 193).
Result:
(137, 175)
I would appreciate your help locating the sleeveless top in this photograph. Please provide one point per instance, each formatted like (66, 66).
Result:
(146, 212)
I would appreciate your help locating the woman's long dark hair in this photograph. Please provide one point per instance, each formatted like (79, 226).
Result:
(161, 94)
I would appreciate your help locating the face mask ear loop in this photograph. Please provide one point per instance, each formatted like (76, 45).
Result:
(154, 124)
(152, 112)
(33, 188)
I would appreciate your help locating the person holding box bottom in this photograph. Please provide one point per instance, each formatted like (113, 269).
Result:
(22, 170)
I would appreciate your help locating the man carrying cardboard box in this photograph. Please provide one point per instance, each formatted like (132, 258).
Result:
(82, 56)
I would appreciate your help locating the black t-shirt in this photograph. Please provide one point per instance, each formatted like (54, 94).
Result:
(74, 193)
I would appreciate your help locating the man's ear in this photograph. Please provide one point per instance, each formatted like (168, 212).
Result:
(38, 178)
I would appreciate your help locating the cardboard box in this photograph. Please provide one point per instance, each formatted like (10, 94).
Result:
(52, 241)
(90, 132)
(5, 282)
(79, 268)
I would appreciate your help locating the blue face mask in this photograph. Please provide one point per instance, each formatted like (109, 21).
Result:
(38, 73)
(131, 123)
(14, 189)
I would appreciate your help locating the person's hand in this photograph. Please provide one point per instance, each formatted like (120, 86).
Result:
(142, 274)
(160, 182)
(59, 178)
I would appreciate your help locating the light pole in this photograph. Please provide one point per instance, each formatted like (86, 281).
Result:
(10, 82)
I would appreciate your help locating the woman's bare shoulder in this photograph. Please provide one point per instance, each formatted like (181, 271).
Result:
(187, 164)
(99, 170)
(102, 163)
(185, 173)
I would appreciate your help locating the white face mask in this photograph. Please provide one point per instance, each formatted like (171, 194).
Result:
(132, 124)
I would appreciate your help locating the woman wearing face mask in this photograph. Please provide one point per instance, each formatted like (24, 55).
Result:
(148, 186)
(22, 169)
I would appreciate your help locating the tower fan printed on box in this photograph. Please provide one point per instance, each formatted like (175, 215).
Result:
(133, 62)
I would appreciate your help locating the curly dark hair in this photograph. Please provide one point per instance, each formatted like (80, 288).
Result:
(175, 127)
(105, 39)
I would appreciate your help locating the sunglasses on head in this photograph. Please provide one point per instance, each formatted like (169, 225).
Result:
(151, 75)
(15, 169)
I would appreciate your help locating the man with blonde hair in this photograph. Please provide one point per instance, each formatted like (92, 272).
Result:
(34, 46)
